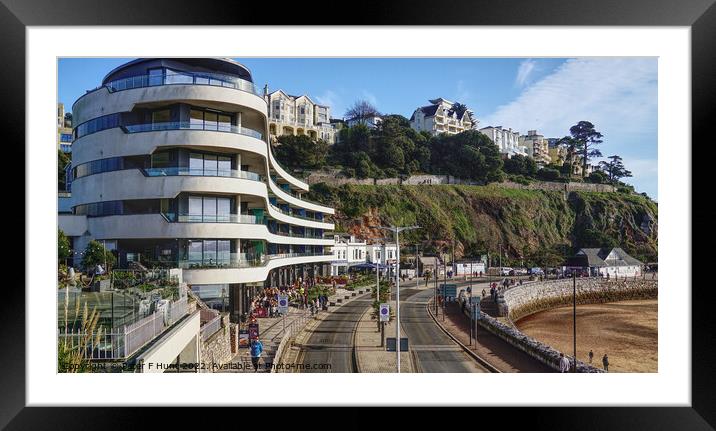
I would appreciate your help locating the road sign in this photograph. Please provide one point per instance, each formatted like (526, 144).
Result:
(283, 304)
(384, 312)
(476, 310)
(448, 290)
(390, 344)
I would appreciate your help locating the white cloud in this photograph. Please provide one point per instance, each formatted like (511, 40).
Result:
(616, 94)
(333, 100)
(524, 71)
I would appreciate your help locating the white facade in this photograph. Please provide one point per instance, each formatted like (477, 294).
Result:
(183, 176)
(383, 254)
(371, 122)
(537, 147)
(298, 115)
(347, 252)
(468, 268)
(439, 117)
(507, 140)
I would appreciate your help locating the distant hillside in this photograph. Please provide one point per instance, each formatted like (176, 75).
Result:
(478, 218)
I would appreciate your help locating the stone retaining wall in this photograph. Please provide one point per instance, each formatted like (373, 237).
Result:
(217, 349)
(531, 298)
(534, 297)
(335, 180)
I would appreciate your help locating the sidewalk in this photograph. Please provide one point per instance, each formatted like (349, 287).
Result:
(370, 357)
(492, 349)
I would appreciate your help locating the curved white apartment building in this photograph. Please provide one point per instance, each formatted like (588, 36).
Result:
(171, 166)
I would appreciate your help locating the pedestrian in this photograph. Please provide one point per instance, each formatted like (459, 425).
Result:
(563, 363)
(605, 362)
(607, 276)
(256, 349)
(591, 356)
(483, 293)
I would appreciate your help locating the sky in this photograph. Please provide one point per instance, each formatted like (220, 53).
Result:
(618, 95)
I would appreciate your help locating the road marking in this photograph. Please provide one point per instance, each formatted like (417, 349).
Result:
(436, 347)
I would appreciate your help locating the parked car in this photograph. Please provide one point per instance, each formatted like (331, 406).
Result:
(506, 270)
(536, 271)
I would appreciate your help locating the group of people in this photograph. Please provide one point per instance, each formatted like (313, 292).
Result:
(565, 365)
(297, 295)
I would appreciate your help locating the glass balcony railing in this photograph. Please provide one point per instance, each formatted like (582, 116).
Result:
(184, 78)
(182, 171)
(241, 260)
(204, 218)
(186, 125)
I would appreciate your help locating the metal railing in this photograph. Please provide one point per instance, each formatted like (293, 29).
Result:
(243, 260)
(204, 218)
(185, 78)
(126, 341)
(181, 171)
(211, 327)
(187, 125)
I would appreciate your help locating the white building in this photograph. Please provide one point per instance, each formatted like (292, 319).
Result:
(467, 267)
(298, 115)
(440, 117)
(347, 252)
(383, 254)
(507, 140)
(602, 261)
(537, 147)
(371, 122)
(64, 130)
(172, 168)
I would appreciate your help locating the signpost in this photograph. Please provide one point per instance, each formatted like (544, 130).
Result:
(384, 316)
(448, 291)
(283, 309)
(384, 312)
(253, 331)
(475, 317)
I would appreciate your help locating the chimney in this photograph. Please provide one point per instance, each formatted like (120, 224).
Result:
(266, 92)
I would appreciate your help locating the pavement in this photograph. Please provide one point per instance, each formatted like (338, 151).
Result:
(492, 349)
(370, 356)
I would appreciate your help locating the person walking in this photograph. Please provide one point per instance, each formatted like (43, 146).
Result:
(591, 356)
(563, 363)
(256, 349)
(483, 293)
(605, 362)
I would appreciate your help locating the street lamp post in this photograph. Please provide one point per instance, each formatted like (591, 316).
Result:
(397, 230)
(574, 317)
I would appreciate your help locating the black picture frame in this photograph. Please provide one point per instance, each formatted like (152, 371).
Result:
(699, 15)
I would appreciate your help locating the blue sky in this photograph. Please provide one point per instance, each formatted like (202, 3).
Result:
(618, 95)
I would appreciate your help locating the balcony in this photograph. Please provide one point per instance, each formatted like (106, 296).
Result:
(183, 78)
(204, 218)
(182, 171)
(186, 125)
(242, 260)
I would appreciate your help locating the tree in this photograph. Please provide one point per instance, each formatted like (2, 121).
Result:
(598, 177)
(63, 159)
(520, 165)
(361, 111)
(614, 169)
(548, 174)
(301, 152)
(63, 246)
(570, 145)
(96, 254)
(586, 139)
(461, 109)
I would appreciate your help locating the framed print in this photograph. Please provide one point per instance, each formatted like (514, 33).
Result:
(427, 207)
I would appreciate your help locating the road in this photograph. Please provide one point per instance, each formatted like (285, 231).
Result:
(433, 350)
(332, 340)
